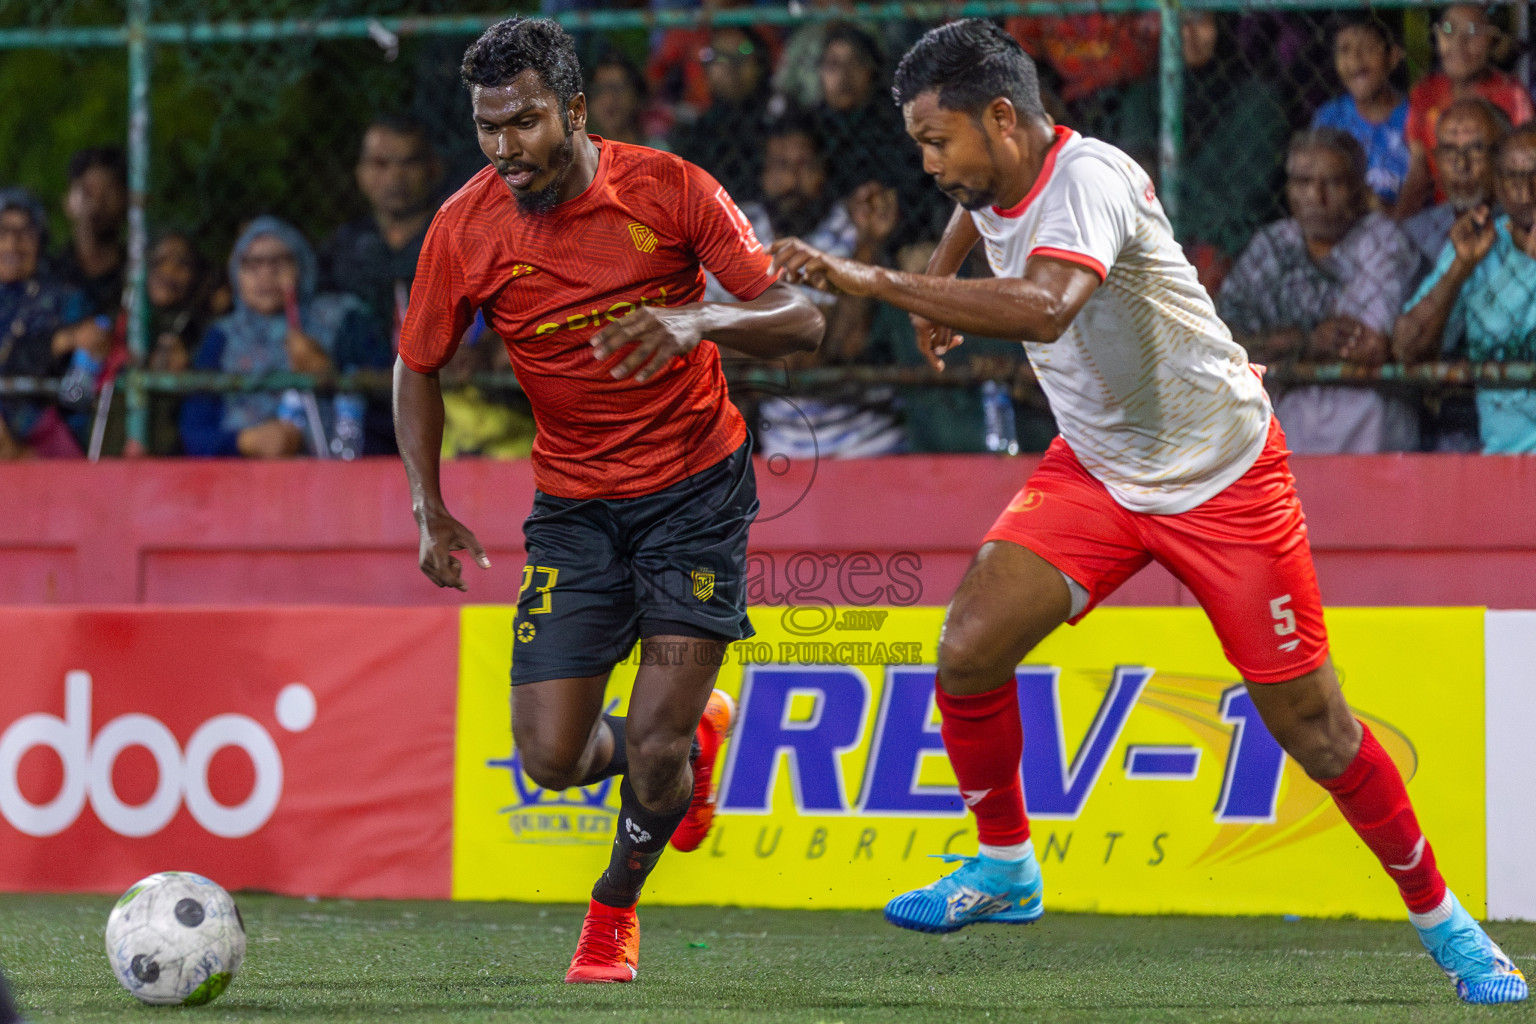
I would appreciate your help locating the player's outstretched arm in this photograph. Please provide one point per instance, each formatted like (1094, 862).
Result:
(419, 433)
(1037, 307)
(776, 323)
(960, 236)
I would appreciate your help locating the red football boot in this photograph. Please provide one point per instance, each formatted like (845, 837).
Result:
(609, 948)
(714, 727)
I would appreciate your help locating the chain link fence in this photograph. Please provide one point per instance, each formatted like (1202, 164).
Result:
(258, 107)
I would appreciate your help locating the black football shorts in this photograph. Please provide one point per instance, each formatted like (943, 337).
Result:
(604, 572)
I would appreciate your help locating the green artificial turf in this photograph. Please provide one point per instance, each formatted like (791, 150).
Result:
(336, 961)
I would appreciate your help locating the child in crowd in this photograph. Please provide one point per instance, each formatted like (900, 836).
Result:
(1464, 40)
(1365, 55)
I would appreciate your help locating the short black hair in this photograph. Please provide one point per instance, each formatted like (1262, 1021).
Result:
(618, 59)
(510, 47)
(1335, 140)
(1366, 20)
(109, 158)
(759, 45)
(797, 122)
(401, 124)
(970, 63)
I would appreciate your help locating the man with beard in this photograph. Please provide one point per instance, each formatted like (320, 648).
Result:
(1465, 137)
(1481, 297)
(1326, 285)
(852, 420)
(586, 256)
(797, 202)
(374, 257)
(1168, 452)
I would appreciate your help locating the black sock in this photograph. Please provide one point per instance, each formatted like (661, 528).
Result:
(7, 1008)
(642, 835)
(618, 764)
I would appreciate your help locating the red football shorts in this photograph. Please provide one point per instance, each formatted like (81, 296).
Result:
(1243, 554)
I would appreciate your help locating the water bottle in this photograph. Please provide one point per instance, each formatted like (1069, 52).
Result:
(77, 388)
(997, 412)
(290, 409)
(347, 443)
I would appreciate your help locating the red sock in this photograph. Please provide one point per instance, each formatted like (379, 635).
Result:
(1374, 801)
(985, 740)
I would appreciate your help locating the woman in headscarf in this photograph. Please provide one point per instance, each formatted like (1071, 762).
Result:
(278, 323)
(37, 317)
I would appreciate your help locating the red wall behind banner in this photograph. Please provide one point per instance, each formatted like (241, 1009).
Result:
(1386, 530)
(297, 750)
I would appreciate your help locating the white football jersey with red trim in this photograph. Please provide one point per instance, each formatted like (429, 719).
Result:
(1147, 386)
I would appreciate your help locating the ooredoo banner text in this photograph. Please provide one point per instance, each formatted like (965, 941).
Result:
(296, 750)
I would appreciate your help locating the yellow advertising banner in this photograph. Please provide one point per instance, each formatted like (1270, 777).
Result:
(1152, 785)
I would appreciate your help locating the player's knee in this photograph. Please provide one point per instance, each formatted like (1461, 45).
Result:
(657, 767)
(550, 762)
(965, 667)
(658, 755)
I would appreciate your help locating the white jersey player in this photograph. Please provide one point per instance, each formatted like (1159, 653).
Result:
(1168, 452)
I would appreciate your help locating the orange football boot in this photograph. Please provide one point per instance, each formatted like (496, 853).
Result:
(609, 948)
(714, 727)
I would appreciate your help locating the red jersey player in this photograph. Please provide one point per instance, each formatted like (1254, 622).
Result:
(1168, 452)
(585, 256)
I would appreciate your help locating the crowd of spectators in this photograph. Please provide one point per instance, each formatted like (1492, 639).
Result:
(1410, 237)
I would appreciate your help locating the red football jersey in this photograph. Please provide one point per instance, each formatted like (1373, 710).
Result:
(640, 234)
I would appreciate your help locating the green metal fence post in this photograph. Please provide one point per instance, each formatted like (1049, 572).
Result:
(138, 191)
(1170, 143)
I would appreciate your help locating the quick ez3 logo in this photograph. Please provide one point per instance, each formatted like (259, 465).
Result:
(182, 774)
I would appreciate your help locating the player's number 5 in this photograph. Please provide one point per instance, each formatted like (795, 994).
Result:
(1285, 619)
(550, 577)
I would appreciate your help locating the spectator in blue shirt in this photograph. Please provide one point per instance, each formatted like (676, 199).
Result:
(279, 323)
(1365, 55)
(1481, 297)
(40, 320)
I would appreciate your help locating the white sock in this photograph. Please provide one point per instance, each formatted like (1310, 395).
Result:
(1439, 915)
(1018, 851)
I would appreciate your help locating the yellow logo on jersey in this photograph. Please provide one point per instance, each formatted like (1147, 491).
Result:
(703, 584)
(643, 237)
(615, 312)
(522, 270)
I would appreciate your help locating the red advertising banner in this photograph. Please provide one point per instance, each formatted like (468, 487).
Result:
(297, 750)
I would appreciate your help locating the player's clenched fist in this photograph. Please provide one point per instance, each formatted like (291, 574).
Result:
(658, 334)
(934, 340)
(441, 534)
(801, 263)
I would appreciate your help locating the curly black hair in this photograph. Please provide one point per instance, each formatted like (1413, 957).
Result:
(510, 47)
(969, 63)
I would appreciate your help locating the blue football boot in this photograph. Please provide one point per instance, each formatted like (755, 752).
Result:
(980, 891)
(1481, 971)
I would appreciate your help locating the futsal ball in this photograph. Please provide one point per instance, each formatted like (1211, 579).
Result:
(175, 938)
